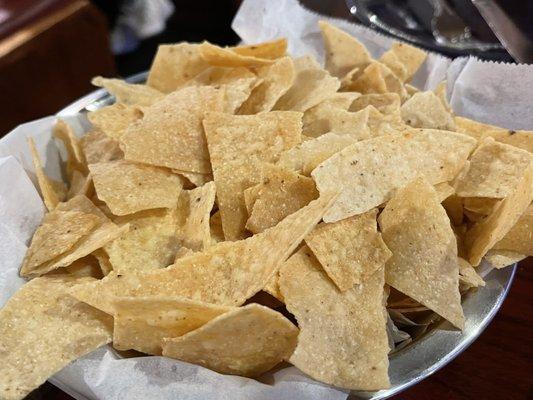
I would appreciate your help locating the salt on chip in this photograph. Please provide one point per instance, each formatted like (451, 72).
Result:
(494, 170)
(343, 51)
(114, 120)
(367, 172)
(270, 50)
(277, 79)
(141, 323)
(150, 243)
(306, 156)
(129, 93)
(128, 187)
(171, 134)
(424, 263)
(99, 147)
(478, 130)
(343, 338)
(349, 250)
(386, 103)
(503, 258)
(425, 110)
(225, 57)
(280, 193)
(246, 341)
(46, 185)
(237, 145)
(175, 64)
(42, 330)
(520, 236)
(227, 273)
(324, 118)
(196, 233)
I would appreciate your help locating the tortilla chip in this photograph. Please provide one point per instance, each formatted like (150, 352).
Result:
(343, 51)
(75, 158)
(392, 61)
(171, 134)
(324, 118)
(250, 196)
(454, 208)
(311, 86)
(478, 130)
(385, 103)
(424, 264)
(227, 273)
(46, 185)
(236, 93)
(103, 261)
(272, 288)
(195, 233)
(347, 348)
(480, 205)
(42, 329)
(425, 110)
(520, 237)
(151, 243)
(80, 184)
(503, 258)
(215, 227)
(237, 144)
(277, 79)
(141, 323)
(226, 57)
(410, 89)
(271, 50)
(444, 190)
(494, 170)
(114, 120)
(368, 172)
(280, 193)
(349, 250)
(468, 277)
(128, 187)
(98, 147)
(129, 93)
(175, 64)
(440, 92)
(246, 341)
(306, 156)
(411, 57)
(59, 232)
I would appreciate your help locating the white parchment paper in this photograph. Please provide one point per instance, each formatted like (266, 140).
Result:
(489, 92)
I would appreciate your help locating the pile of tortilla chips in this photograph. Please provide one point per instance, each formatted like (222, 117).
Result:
(244, 208)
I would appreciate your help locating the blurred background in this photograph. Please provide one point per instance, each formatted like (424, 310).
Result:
(50, 49)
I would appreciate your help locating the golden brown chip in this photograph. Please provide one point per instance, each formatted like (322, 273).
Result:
(385, 103)
(468, 277)
(494, 170)
(151, 242)
(129, 93)
(520, 237)
(324, 118)
(215, 227)
(342, 100)
(42, 329)
(80, 185)
(425, 110)
(349, 250)
(250, 196)
(280, 193)
(175, 64)
(226, 57)
(103, 261)
(46, 185)
(411, 57)
(276, 81)
(368, 172)
(237, 145)
(171, 134)
(343, 51)
(444, 190)
(128, 187)
(196, 233)
(370, 80)
(485, 234)
(392, 61)
(246, 341)
(227, 273)
(141, 323)
(271, 50)
(98, 147)
(343, 339)
(114, 120)
(75, 158)
(454, 208)
(424, 263)
(503, 258)
(478, 130)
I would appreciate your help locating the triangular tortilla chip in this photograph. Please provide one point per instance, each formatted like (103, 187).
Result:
(271, 50)
(343, 51)
(503, 258)
(141, 323)
(346, 348)
(129, 93)
(468, 277)
(520, 237)
(391, 60)
(171, 134)
(411, 57)
(425, 110)
(370, 80)
(175, 64)
(226, 57)
(349, 250)
(369, 171)
(424, 263)
(98, 147)
(237, 145)
(114, 120)
(246, 341)
(80, 184)
(128, 187)
(494, 170)
(75, 158)
(151, 242)
(485, 234)
(227, 273)
(42, 330)
(280, 193)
